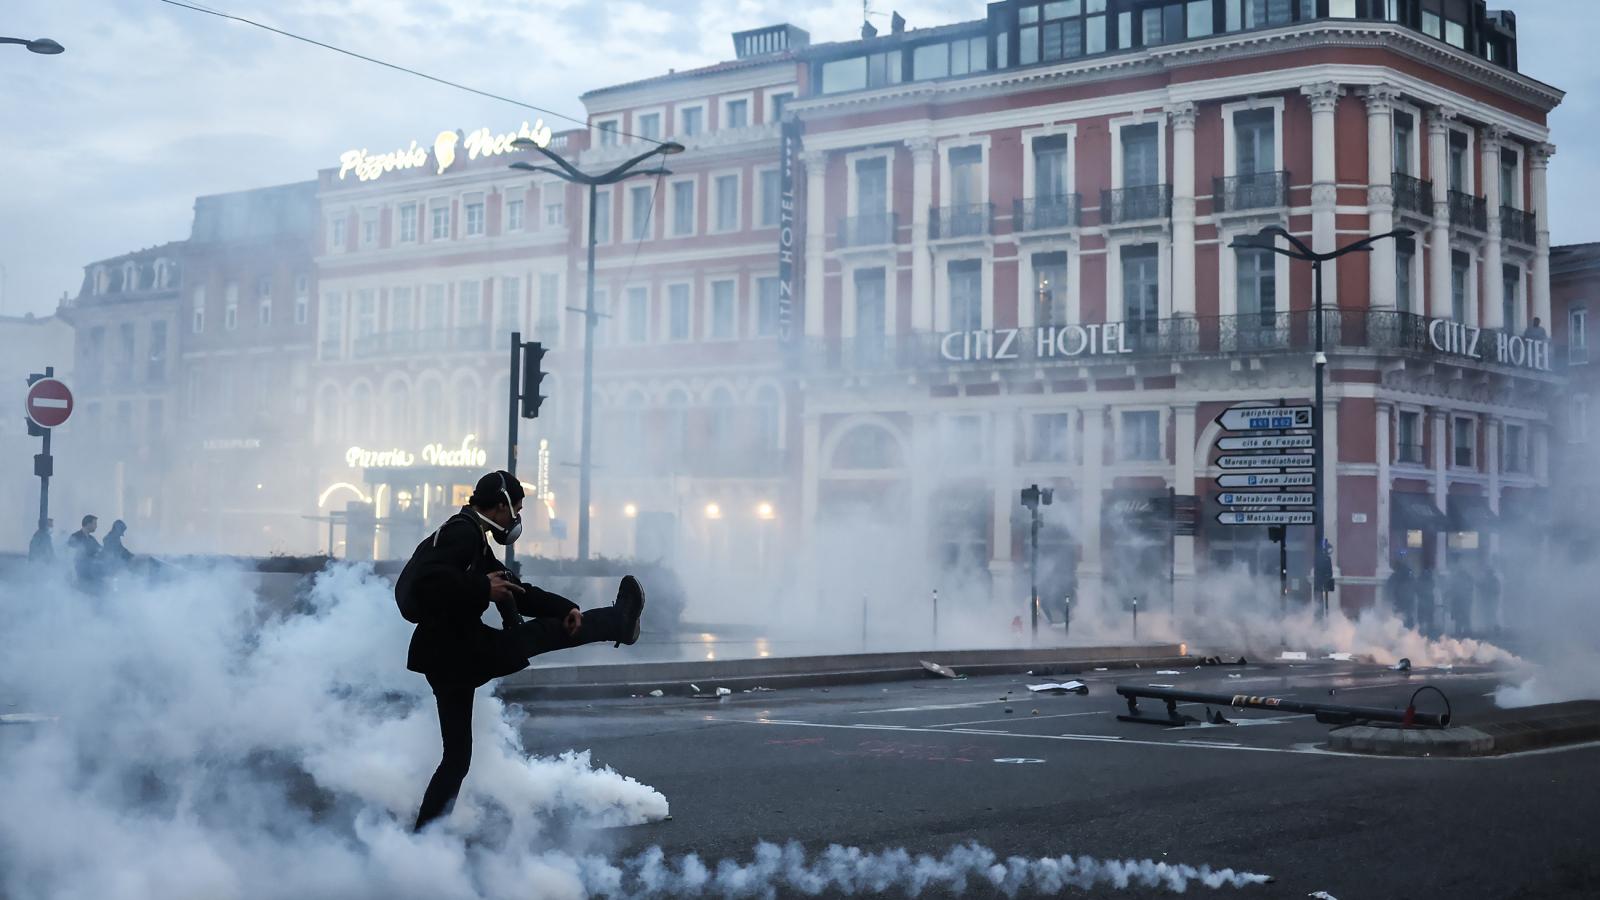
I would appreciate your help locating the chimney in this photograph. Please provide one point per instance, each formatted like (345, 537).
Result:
(867, 31)
(897, 23)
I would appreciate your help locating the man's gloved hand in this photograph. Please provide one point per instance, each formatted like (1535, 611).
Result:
(502, 588)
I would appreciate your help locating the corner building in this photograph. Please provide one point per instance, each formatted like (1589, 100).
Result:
(1020, 269)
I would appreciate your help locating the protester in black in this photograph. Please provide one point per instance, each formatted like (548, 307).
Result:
(84, 551)
(446, 587)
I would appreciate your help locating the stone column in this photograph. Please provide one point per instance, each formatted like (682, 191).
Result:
(1380, 518)
(1183, 284)
(1539, 161)
(1091, 497)
(1439, 244)
(921, 257)
(816, 163)
(1380, 193)
(1441, 479)
(1183, 456)
(1324, 101)
(1002, 482)
(1494, 285)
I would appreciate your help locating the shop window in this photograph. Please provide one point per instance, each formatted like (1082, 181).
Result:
(1139, 437)
(1408, 444)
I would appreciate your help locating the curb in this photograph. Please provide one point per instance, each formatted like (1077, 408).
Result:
(601, 682)
(1506, 731)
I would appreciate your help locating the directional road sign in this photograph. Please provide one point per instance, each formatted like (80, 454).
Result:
(1267, 461)
(1266, 442)
(49, 402)
(1289, 517)
(1259, 498)
(1267, 479)
(1263, 418)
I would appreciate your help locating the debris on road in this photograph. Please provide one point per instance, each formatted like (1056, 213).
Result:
(1234, 675)
(758, 689)
(1339, 657)
(1322, 895)
(1404, 665)
(694, 687)
(723, 692)
(658, 692)
(1297, 655)
(1008, 710)
(1052, 687)
(935, 668)
(1100, 669)
(1219, 661)
(1168, 672)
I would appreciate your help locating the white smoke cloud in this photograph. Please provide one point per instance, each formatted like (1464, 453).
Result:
(205, 748)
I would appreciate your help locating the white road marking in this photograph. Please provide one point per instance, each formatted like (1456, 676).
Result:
(1012, 718)
(1091, 738)
(1209, 743)
(935, 706)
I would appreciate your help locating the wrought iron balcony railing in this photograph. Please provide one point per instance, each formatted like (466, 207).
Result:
(1467, 211)
(868, 231)
(1136, 204)
(1412, 194)
(969, 220)
(1259, 190)
(1045, 213)
(1519, 226)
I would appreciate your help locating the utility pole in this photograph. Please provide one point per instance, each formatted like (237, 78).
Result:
(1033, 497)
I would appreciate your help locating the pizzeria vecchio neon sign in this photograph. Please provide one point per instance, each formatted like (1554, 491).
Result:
(480, 143)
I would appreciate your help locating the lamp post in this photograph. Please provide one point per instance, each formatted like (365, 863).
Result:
(1264, 240)
(44, 46)
(568, 172)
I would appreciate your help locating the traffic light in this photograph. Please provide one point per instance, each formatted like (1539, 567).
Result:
(34, 430)
(1275, 533)
(1033, 497)
(532, 374)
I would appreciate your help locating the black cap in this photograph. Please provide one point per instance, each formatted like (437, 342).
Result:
(488, 492)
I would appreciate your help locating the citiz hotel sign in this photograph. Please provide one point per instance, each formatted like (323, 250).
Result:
(483, 142)
(1504, 348)
(1048, 342)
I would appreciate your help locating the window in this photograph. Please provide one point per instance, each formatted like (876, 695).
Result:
(474, 214)
(1458, 162)
(555, 213)
(264, 312)
(1064, 29)
(870, 313)
(408, 223)
(1050, 175)
(1432, 26)
(156, 363)
(332, 324)
(771, 197)
(1050, 288)
(767, 306)
(1199, 22)
(602, 217)
(1578, 336)
(511, 304)
(1578, 419)
(1255, 148)
(302, 299)
(548, 326)
(469, 305)
(608, 132)
(1405, 256)
(777, 104)
(157, 416)
(1455, 34)
(722, 311)
(966, 176)
(860, 72)
(962, 57)
(336, 237)
(961, 439)
(727, 187)
(1141, 287)
(366, 314)
(369, 228)
(966, 295)
(650, 126)
(1510, 297)
(691, 121)
(1342, 9)
(1140, 436)
(638, 315)
(1405, 128)
(400, 311)
(199, 322)
(1257, 296)
(1408, 446)
(678, 312)
(639, 206)
(1460, 270)
(1510, 183)
(1050, 439)
(439, 221)
(682, 208)
(230, 306)
(125, 342)
(1466, 443)
(872, 187)
(434, 315)
(736, 114)
(1141, 155)
(1514, 457)
(514, 214)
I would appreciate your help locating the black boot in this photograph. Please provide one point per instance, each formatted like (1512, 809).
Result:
(630, 604)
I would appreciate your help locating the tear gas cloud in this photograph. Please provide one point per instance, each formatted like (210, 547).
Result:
(204, 747)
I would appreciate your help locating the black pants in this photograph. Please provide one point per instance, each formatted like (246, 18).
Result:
(454, 699)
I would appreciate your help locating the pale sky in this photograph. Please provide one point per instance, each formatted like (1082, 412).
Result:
(107, 145)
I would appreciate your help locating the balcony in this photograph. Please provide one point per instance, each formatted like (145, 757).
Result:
(1261, 190)
(1519, 226)
(1467, 211)
(968, 220)
(472, 337)
(868, 231)
(1046, 213)
(1136, 204)
(1413, 195)
(1385, 332)
(1410, 454)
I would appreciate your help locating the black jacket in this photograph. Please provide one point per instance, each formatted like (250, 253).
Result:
(447, 582)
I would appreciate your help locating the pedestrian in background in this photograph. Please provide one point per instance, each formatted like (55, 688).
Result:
(42, 548)
(1399, 591)
(83, 551)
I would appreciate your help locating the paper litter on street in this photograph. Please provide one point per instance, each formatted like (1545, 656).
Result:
(1339, 657)
(1293, 654)
(1076, 687)
(1168, 672)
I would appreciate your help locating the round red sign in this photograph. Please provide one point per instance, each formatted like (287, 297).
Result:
(49, 402)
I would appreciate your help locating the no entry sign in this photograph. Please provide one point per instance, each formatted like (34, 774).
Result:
(49, 402)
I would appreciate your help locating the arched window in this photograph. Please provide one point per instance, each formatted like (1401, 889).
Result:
(867, 447)
(430, 416)
(358, 423)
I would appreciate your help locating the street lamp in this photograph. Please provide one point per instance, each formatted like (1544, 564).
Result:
(37, 45)
(1263, 240)
(568, 172)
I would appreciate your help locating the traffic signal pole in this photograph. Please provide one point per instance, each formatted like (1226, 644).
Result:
(512, 424)
(43, 464)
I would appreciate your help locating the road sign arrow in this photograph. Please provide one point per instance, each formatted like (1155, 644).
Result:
(1256, 498)
(1267, 461)
(1287, 517)
(1266, 442)
(1267, 479)
(1264, 418)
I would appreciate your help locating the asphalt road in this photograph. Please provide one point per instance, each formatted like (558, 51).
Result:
(930, 764)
